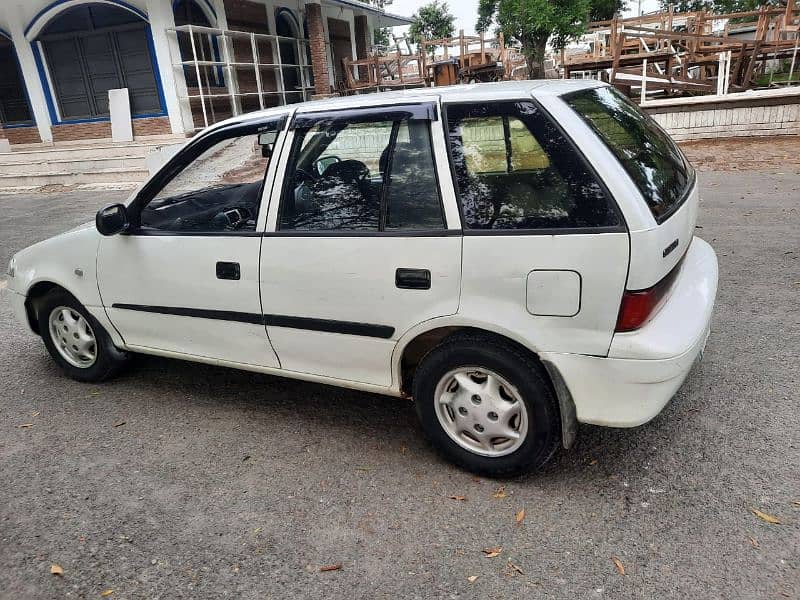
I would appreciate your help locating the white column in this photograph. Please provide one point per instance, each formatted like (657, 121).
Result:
(30, 74)
(159, 13)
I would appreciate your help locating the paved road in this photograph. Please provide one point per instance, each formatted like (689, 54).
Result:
(226, 484)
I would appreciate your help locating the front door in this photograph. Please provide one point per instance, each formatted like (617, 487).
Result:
(184, 278)
(359, 250)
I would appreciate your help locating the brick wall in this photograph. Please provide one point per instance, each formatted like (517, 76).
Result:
(102, 129)
(751, 115)
(21, 135)
(319, 57)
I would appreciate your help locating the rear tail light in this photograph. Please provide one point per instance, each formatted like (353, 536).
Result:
(639, 306)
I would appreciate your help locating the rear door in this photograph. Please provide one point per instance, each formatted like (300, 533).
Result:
(359, 250)
(545, 247)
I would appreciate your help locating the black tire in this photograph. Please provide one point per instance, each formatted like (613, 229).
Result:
(109, 359)
(519, 369)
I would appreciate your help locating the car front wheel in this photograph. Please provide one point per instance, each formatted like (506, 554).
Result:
(76, 341)
(487, 405)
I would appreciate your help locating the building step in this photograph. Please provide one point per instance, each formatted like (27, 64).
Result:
(108, 176)
(51, 153)
(39, 166)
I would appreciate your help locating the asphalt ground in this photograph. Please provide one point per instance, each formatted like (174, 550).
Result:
(180, 480)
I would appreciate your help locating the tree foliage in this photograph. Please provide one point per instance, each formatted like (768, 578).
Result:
(531, 23)
(719, 6)
(431, 21)
(380, 35)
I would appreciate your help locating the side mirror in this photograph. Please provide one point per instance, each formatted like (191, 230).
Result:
(112, 219)
(267, 141)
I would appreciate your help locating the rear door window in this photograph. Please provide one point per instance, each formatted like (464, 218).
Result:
(646, 152)
(516, 170)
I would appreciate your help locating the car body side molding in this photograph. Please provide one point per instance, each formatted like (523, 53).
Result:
(291, 322)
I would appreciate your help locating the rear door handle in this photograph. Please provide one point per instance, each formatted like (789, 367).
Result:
(228, 270)
(412, 279)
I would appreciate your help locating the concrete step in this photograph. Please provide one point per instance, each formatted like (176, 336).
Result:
(80, 165)
(109, 176)
(140, 149)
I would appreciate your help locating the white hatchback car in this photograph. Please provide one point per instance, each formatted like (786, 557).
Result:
(517, 257)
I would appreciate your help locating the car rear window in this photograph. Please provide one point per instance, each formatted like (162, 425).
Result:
(646, 152)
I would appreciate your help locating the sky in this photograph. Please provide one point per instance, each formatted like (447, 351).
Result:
(466, 11)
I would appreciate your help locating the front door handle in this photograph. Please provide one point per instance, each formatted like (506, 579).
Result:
(228, 270)
(412, 279)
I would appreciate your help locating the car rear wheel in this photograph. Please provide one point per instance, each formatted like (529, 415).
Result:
(76, 341)
(487, 405)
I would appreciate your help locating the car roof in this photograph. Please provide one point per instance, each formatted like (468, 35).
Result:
(475, 92)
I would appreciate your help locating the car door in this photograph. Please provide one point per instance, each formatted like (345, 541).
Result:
(360, 248)
(183, 279)
(545, 246)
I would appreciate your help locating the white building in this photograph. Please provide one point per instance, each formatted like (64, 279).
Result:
(184, 63)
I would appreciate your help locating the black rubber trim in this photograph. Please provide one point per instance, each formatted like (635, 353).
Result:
(153, 232)
(200, 313)
(333, 233)
(345, 327)
(308, 323)
(421, 112)
(549, 231)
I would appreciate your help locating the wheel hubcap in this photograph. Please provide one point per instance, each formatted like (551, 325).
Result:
(73, 337)
(481, 411)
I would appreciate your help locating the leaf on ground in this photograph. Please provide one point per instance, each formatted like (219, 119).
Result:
(796, 502)
(500, 492)
(460, 498)
(492, 552)
(754, 542)
(336, 567)
(106, 593)
(56, 569)
(119, 424)
(472, 578)
(24, 425)
(520, 516)
(593, 462)
(514, 567)
(765, 517)
(618, 564)
(36, 413)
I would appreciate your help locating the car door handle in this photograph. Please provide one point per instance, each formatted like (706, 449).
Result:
(228, 270)
(412, 279)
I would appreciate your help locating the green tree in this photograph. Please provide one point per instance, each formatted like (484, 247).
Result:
(380, 35)
(719, 6)
(532, 23)
(430, 22)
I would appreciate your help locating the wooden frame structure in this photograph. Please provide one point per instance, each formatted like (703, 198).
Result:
(687, 53)
(445, 61)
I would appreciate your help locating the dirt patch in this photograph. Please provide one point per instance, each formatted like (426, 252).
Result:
(778, 153)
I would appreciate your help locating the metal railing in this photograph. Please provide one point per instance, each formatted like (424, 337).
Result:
(225, 46)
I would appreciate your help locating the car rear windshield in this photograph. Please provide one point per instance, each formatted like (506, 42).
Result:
(646, 152)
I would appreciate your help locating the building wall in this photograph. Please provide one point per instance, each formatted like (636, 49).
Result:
(23, 20)
(762, 113)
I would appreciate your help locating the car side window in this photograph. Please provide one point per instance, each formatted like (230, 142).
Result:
(218, 191)
(516, 170)
(361, 176)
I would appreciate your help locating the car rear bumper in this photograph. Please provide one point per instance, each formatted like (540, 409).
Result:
(646, 367)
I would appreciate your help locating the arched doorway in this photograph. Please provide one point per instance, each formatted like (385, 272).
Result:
(95, 47)
(287, 26)
(14, 107)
